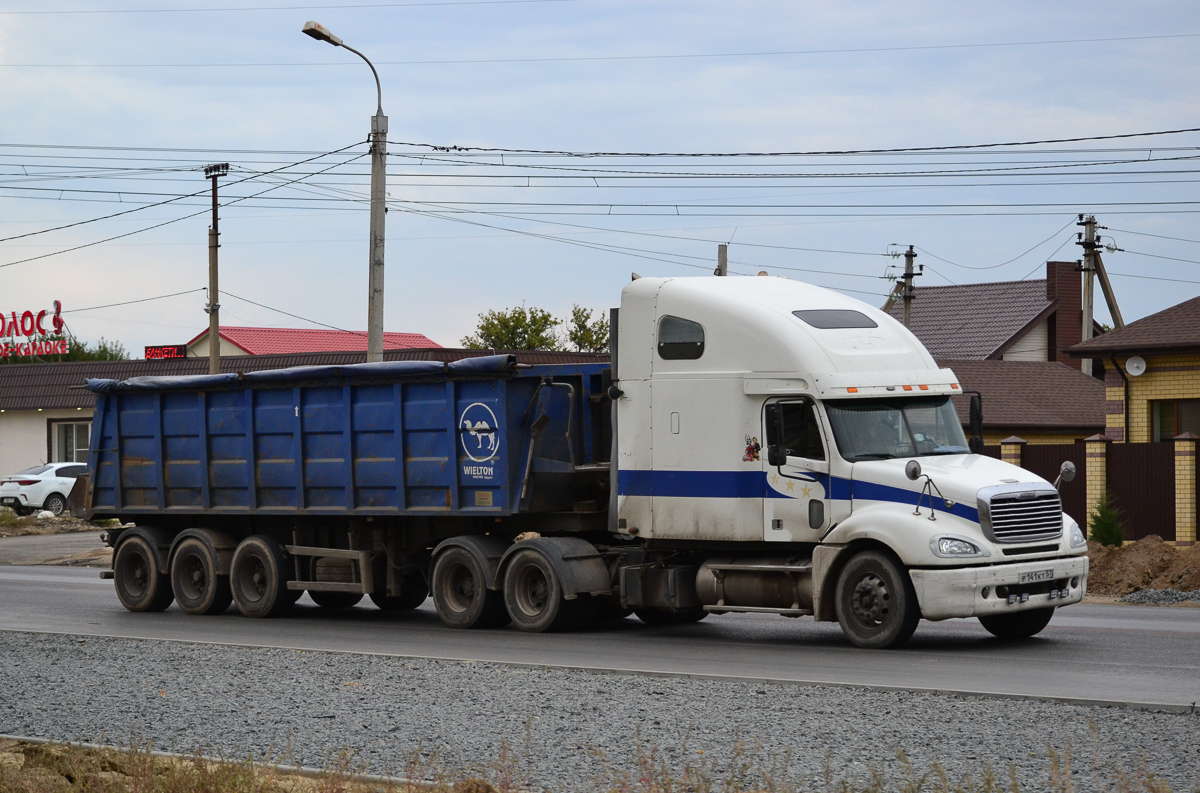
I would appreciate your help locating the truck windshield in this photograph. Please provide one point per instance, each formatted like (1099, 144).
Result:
(882, 429)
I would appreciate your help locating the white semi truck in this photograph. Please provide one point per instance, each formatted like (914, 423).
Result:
(757, 445)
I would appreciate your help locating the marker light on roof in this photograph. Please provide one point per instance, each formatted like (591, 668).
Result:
(852, 390)
(908, 388)
(954, 385)
(924, 388)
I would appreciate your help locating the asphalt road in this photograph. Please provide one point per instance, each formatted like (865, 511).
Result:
(1089, 654)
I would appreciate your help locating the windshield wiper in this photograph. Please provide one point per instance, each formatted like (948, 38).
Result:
(875, 456)
(950, 450)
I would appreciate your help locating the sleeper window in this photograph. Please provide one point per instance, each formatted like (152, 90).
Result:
(680, 339)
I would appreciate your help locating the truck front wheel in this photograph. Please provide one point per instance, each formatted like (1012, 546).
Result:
(258, 579)
(1020, 625)
(141, 585)
(197, 586)
(460, 592)
(875, 601)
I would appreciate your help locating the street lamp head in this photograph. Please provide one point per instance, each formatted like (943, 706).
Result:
(320, 33)
(219, 169)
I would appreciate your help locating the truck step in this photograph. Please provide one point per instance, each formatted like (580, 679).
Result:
(330, 586)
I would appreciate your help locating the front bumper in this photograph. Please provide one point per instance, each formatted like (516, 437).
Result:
(958, 592)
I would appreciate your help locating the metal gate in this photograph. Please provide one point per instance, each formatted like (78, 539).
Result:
(1045, 460)
(1141, 477)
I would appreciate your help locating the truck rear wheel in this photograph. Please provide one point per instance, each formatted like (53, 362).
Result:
(1020, 625)
(140, 584)
(460, 593)
(194, 580)
(258, 578)
(533, 594)
(875, 601)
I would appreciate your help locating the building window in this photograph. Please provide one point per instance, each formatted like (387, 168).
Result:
(71, 441)
(1173, 417)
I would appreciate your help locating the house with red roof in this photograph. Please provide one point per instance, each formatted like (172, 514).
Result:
(282, 341)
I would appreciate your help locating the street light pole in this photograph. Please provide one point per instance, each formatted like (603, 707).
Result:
(379, 128)
(214, 172)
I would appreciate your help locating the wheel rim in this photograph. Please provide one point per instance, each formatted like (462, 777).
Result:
(193, 577)
(532, 590)
(252, 580)
(135, 574)
(459, 590)
(870, 601)
(55, 505)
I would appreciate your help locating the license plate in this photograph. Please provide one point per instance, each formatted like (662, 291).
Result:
(8, 501)
(1036, 575)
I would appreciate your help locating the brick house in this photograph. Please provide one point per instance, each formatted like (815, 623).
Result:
(1008, 340)
(1153, 377)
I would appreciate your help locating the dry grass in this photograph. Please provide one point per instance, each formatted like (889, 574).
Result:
(60, 768)
(13, 525)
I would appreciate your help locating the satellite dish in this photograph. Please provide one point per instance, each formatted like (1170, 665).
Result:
(1136, 365)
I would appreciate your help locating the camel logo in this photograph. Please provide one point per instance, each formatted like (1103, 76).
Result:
(480, 432)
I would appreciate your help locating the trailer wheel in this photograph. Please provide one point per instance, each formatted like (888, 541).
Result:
(1020, 625)
(335, 600)
(664, 617)
(460, 595)
(258, 578)
(140, 584)
(194, 580)
(875, 601)
(533, 594)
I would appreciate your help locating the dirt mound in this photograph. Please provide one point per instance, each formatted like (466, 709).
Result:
(1148, 563)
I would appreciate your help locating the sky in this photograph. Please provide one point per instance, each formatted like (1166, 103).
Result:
(116, 105)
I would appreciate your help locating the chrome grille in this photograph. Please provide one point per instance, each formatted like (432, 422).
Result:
(1029, 516)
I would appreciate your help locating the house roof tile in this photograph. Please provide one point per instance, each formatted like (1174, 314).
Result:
(273, 341)
(1025, 395)
(973, 321)
(1176, 329)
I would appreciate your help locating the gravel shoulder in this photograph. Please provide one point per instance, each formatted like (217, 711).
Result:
(236, 700)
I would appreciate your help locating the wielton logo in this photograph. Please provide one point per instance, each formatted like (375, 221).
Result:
(480, 437)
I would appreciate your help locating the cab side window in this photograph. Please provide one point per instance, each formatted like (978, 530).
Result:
(802, 431)
(679, 339)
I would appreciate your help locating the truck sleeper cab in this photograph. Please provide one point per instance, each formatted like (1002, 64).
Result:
(757, 445)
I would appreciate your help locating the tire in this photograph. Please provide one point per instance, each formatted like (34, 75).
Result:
(140, 583)
(875, 601)
(413, 589)
(533, 594)
(194, 580)
(335, 600)
(56, 503)
(664, 617)
(258, 578)
(460, 595)
(1019, 625)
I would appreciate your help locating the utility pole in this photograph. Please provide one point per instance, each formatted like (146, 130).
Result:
(722, 260)
(1087, 240)
(214, 306)
(910, 256)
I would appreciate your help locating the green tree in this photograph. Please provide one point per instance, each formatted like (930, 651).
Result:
(77, 350)
(1105, 524)
(586, 334)
(518, 328)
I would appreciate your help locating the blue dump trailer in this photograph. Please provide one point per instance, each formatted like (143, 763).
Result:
(345, 481)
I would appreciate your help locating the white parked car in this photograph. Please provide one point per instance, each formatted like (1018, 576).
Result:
(40, 487)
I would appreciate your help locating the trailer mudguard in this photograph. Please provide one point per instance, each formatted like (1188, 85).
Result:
(487, 550)
(580, 567)
(157, 539)
(220, 543)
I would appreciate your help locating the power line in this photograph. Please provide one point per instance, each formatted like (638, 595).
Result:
(1156, 256)
(285, 8)
(131, 302)
(1159, 236)
(610, 58)
(227, 293)
(1010, 261)
(1152, 278)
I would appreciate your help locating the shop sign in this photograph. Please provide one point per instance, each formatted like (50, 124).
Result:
(32, 325)
(162, 351)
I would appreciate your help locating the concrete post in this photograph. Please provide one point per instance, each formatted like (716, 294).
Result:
(1011, 450)
(1185, 488)
(1097, 471)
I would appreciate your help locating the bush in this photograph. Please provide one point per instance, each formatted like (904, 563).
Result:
(1105, 524)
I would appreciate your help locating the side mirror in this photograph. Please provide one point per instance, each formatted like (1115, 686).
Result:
(912, 470)
(776, 453)
(1065, 474)
(976, 419)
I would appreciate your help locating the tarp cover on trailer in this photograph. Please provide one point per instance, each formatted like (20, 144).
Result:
(484, 365)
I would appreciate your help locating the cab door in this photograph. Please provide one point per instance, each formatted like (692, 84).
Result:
(796, 497)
